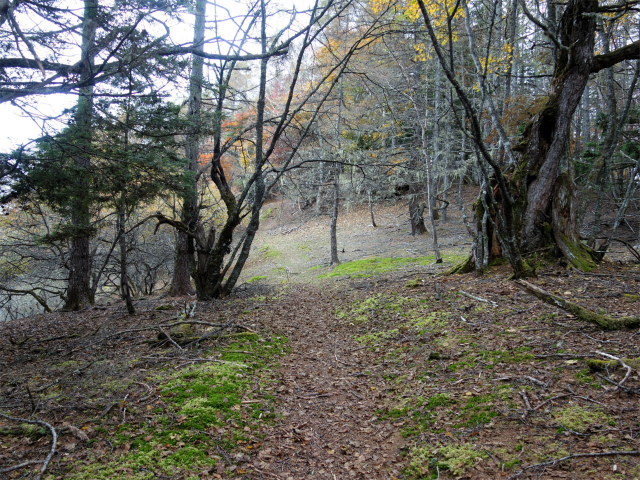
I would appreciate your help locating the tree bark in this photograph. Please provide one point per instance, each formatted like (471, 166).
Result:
(416, 211)
(185, 248)
(548, 134)
(79, 292)
(122, 239)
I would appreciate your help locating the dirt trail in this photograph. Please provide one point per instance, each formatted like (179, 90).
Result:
(327, 400)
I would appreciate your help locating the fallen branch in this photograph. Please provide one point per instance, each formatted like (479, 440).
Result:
(211, 333)
(54, 442)
(604, 321)
(526, 377)
(603, 365)
(168, 337)
(571, 457)
(551, 400)
(479, 299)
(31, 292)
(622, 364)
(19, 466)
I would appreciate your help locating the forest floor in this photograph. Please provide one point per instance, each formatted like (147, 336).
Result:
(377, 369)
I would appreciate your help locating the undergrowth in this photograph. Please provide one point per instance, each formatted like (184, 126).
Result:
(201, 417)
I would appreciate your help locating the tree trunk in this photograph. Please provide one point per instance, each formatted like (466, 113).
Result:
(416, 211)
(549, 196)
(79, 292)
(333, 230)
(185, 249)
(373, 220)
(122, 239)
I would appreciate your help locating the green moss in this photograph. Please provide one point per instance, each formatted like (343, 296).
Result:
(439, 400)
(508, 456)
(551, 451)
(631, 298)
(455, 458)
(267, 251)
(257, 278)
(577, 418)
(465, 266)
(516, 355)
(359, 311)
(165, 307)
(372, 338)
(460, 457)
(195, 405)
(580, 255)
(415, 283)
(266, 214)
(305, 247)
(583, 376)
(477, 411)
(369, 267)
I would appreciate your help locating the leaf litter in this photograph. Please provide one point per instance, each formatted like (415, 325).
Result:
(401, 374)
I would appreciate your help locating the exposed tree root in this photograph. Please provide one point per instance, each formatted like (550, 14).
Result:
(467, 266)
(604, 321)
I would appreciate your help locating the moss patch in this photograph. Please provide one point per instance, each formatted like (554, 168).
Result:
(369, 267)
(578, 419)
(257, 278)
(200, 412)
(455, 458)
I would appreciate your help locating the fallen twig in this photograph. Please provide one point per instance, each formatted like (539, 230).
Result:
(55, 382)
(527, 377)
(54, 442)
(564, 355)
(102, 414)
(551, 399)
(570, 457)
(479, 299)
(621, 362)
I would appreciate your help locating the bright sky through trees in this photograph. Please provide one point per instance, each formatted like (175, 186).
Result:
(34, 116)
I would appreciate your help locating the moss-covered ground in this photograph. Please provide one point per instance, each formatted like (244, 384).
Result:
(482, 391)
(204, 412)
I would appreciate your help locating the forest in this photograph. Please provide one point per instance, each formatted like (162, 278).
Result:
(333, 239)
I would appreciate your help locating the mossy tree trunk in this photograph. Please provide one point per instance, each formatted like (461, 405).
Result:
(538, 196)
(549, 194)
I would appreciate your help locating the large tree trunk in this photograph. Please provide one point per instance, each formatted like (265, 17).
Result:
(549, 195)
(79, 292)
(185, 249)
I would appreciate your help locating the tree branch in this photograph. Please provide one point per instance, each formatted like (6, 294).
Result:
(54, 434)
(604, 321)
(629, 52)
